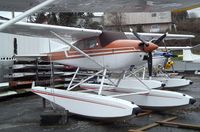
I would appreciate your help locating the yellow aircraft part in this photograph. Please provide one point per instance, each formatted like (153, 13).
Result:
(169, 64)
(185, 8)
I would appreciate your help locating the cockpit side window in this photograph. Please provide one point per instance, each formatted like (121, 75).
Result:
(87, 43)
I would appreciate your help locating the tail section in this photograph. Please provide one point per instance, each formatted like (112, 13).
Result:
(187, 55)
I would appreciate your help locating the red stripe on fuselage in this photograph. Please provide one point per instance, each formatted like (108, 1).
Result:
(93, 52)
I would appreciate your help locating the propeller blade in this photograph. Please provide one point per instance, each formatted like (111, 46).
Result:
(161, 38)
(138, 37)
(150, 64)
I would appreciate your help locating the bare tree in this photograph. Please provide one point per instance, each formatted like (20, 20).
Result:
(117, 20)
(66, 19)
(179, 16)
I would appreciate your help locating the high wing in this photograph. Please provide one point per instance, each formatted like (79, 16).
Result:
(74, 34)
(42, 30)
(175, 48)
(101, 5)
(151, 36)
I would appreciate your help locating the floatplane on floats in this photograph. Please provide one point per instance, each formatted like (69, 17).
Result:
(159, 78)
(102, 51)
(107, 48)
(29, 7)
(188, 56)
(163, 61)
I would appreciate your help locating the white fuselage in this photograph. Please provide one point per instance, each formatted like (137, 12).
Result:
(120, 61)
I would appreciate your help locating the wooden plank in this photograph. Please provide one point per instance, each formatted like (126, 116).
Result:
(147, 112)
(151, 125)
(148, 126)
(136, 131)
(181, 125)
(169, 119)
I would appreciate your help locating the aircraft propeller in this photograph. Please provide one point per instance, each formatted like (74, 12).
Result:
(144, 43)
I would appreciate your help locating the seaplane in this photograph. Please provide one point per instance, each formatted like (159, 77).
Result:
(188, 56)
(29, 7)
(102, 51)
(95, 50)
(163, 61)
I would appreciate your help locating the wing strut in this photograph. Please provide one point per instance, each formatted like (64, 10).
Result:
(87, 56)
(68, 88)
(102, 81)
(25, 14)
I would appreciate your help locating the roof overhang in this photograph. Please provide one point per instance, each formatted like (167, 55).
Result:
(102, 5)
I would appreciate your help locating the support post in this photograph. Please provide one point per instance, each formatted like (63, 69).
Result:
(131, 73)
(37, 80)
(102, 81)
(52, 74)
(37, 72)
(121, 77)
(68, 88)
(86, 79)
(44, 103)
(141, 81)
(143, 75)
(25, 14)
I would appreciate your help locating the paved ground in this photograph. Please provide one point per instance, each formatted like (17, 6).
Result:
(23, 114)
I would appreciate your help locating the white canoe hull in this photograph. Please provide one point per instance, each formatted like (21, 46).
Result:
(90, 105)
(154, 99)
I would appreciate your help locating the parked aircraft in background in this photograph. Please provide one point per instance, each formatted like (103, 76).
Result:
(188, 56)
